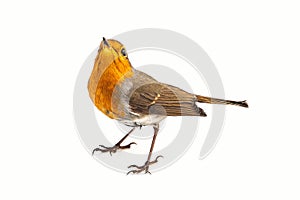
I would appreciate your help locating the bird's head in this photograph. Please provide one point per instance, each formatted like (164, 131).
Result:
(112, 52)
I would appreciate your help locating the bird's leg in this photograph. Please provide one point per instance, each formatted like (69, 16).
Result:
(117, 146)
(145, 167)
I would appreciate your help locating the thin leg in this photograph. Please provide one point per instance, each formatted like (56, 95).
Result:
(156, 129)
(123, 138)
(117, 146)
(145, 167)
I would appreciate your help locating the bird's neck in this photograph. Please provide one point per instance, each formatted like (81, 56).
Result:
(103, 80)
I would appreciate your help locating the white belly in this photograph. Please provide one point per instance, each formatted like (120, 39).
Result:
(144, 121)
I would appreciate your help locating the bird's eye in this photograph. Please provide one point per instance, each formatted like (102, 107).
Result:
(123, 52)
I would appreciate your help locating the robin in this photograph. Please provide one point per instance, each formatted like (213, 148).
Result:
(137, 99)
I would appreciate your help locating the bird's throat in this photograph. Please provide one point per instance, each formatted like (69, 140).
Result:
(103, 82)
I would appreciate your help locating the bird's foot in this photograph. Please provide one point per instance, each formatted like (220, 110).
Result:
(113, 149)
(143, 168)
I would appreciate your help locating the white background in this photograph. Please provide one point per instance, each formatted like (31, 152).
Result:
(255, 47)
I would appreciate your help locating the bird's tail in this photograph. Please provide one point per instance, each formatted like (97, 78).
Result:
(203, 99)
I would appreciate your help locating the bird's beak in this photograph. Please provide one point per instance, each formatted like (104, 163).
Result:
(105, 42)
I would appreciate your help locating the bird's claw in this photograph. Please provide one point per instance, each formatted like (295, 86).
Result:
(144, 167)
(113, 149)
(126, 146)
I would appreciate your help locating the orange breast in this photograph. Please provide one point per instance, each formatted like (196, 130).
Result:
(111, 76)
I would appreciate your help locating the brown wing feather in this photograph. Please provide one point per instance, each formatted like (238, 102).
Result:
(163, 99)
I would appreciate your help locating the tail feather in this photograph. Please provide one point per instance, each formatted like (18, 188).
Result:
(203, 99)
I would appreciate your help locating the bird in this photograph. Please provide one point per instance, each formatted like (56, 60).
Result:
(136, 99)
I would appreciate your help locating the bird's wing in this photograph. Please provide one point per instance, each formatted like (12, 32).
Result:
(163, 99)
